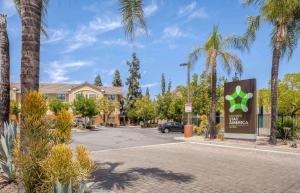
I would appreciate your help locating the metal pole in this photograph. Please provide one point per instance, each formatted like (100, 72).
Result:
(188, 87)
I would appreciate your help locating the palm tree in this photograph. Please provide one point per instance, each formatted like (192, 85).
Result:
(32, 13)
(216, 50)
(4, 73)
(284, 16)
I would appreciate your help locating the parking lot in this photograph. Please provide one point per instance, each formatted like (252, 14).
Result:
(142, 160)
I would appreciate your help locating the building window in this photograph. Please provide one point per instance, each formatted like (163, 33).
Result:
(111, 97)
(61, 97)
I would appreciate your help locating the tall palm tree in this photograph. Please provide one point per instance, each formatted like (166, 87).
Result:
(32, 13)
(4, 73)
(284, 16)
(215, 49)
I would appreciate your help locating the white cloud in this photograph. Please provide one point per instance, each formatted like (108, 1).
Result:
(149, 85)
(172, 32)
(55, 35)
(86, 35)
(8, 7)
(150, 9)
(191, 11)
(58, 71)
(121, 42)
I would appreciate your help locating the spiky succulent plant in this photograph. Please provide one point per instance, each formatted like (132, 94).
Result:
(67, 188)
(6, 149)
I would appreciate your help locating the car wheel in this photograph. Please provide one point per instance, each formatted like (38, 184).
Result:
(166, 130)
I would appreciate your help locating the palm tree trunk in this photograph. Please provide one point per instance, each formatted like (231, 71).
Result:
(274, 88)
(31, 15)
(212, 118)
(4, 73)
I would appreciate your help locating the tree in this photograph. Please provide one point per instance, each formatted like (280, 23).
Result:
(117, 79)
(176, 109)
(105, 107)
(86, 107)
(215, 48)
(169, 86)
(98, 81)
(147, 94)
(145, 109)
(163, 106)
(14, 108)
(163, 84)
(57, 105)
(134, 89)
(4, 73)
(284, 17)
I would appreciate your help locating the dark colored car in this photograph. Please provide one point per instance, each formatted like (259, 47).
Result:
(171, 126)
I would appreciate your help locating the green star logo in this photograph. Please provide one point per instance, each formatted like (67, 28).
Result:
(238, 93)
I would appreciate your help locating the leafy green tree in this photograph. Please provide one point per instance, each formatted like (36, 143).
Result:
(117, 79)
(284, 17)
(14, 108)
(105, 107)
(85, 107)
(163, 84)
(163, 106)
(57, 105)
(147, 94)
(176, 109)
(134, 89)
(98, 81)
(145, 109)
(169, 86)
(215, 49)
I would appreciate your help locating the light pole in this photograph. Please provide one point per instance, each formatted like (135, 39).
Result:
(188, 128)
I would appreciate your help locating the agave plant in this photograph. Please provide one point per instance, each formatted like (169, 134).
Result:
(67, 188)
(6, 149)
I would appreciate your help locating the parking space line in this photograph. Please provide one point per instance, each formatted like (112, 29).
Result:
(136, 147)
(246, 148)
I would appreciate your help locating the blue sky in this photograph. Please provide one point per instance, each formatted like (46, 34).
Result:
(87, 38)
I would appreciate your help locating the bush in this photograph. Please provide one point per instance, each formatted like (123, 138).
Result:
(41, 160)
(203, 128)
(57, 105)
(63, 127)
(283, 133)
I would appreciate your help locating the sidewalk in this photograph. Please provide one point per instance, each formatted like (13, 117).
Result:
(261, 143)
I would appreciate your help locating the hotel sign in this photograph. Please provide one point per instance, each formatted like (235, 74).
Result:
(240, 109)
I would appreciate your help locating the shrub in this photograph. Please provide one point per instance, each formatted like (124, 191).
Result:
(203, 128)
(8, 140)
(14, 108)
(63, 127)
(284, 133)
(57, 105)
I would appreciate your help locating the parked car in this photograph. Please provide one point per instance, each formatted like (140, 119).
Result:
(171, 126)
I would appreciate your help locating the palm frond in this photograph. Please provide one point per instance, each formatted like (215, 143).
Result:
(17, 4)
(255, 2)
(132, 17)
(236, 42)
(214, 40)
(253, 26)
(231, 61)
(208, 59)
(194, 55)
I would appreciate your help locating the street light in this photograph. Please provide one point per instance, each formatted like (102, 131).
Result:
(188, 128)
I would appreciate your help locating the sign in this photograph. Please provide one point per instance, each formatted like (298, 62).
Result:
(188, 107)
(240, 109)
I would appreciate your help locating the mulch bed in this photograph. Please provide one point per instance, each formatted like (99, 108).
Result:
(6, 187)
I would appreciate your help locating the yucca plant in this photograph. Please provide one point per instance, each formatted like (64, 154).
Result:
(6, 149)
(67, 188)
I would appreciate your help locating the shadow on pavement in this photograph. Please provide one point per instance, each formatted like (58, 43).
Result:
(106, 177)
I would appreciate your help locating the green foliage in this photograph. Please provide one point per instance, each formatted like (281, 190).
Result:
(57, 105)
(169, 86)
(163, 84)
(134, 89)
(117, 79)
(144, 109)
(176, 109)
(85, 107)
(14, 108)
(67, 188)
(203, 128)
(163, 106)
(106, 107)
(6, 150)
(147, 94)
(98, 81)
(283, 133)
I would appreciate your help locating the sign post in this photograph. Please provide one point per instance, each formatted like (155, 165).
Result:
(240, 109)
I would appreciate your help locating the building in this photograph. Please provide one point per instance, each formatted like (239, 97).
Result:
(68, 93)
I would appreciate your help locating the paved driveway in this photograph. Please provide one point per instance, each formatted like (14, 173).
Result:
(188, 167)
(114, 138)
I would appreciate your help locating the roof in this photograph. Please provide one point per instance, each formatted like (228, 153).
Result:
(55, 88)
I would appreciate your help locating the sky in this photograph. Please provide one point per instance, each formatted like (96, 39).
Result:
(86, 37)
